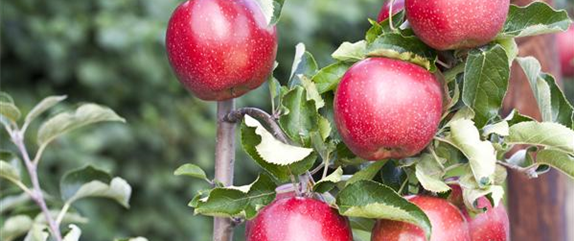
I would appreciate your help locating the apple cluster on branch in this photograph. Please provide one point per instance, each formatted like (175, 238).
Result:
(405, 124)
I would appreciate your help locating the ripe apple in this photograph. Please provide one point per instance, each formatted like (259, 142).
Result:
(492, 225)
(566, 51)
(447, 222)
(384, 14)
(298, 219)
(220, 49)
(386, 108)
(456, 24)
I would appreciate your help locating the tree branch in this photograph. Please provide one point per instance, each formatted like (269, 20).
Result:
(224, 159)
(237, 115)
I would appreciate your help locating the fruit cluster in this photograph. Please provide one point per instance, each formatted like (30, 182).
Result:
(418, 100)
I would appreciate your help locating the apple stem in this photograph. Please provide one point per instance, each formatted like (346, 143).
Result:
(391, 15)
(224, 159)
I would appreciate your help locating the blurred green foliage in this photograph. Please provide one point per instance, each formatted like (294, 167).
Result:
(111, 52)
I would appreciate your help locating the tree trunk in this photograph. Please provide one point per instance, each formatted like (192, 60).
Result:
(539, 208)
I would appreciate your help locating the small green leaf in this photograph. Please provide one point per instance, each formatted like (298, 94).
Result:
(271, 10)
(350, 52)
(511, 48)
(92, 182)
(500, 128)
(249, 140)
(481, 154)
(64, 122)
(329, 182)
(244, 201)
(301, 116)
(471, 190)
(312, 92)
(367, 173)
(369, 199)
(74, 233)
(324, 127)
(514, 118)
(558, 160)
(407, 48)
(192, 171)
(551, 135)
(384, 26)
(38, 232)
(430, 174)
(8, 203)
(44, 105)
(552, 103)
(273, 150)
(303, 64)
(329, 77)
(132, 239)
(7, 107)
(15, 227)
(69, 217)
(9, 172)
(486, 76)
(535, 19)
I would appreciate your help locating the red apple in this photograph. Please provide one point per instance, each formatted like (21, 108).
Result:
(384, 14)
(220, 49)
(456, 24)
(492, 225)
(298, 219)
(566, 51)
(447, 222)
(387, 108)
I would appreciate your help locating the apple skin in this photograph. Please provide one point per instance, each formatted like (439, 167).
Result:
(384, 13)
(492, 225)
(220, 49)
(447, 222)
(386, 108)
(566, 51)
(456, 24)
(298, 219)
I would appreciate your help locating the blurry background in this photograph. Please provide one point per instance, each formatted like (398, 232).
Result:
(112, 52)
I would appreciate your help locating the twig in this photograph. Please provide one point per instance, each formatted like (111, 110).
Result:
(392, 3)
(36, 192)
(224, 159)
(237, 115)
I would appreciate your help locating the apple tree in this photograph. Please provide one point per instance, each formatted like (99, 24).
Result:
(400, 135)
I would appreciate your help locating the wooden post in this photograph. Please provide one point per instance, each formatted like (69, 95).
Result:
(538, 208)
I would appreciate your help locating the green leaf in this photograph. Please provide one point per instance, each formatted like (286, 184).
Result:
(430, 174)
(192, 171)
(384, 26)
(69, 217)
(546, 134)
(249, 140)
(244, 201)
(274, 151)
(367, 173)
(7, 107)
(514, 118)
(481, 154)
(9, 172)
(499, 128)
(64, 122)
(350, 52)
(324, 127)
(8, 203)
(471, 190)
(407, 48)
(44, 105)
(369, 199)
(553, 105)
(271, 10)
(303, 64)
(38, 232)
(329, 182)
(301, 116)
(92, 182)
(15, 227)
(558, 160)
(511, 48)
(74, 233)
(312, 92)
(535, 19)
(486, 76)
(329, 77)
